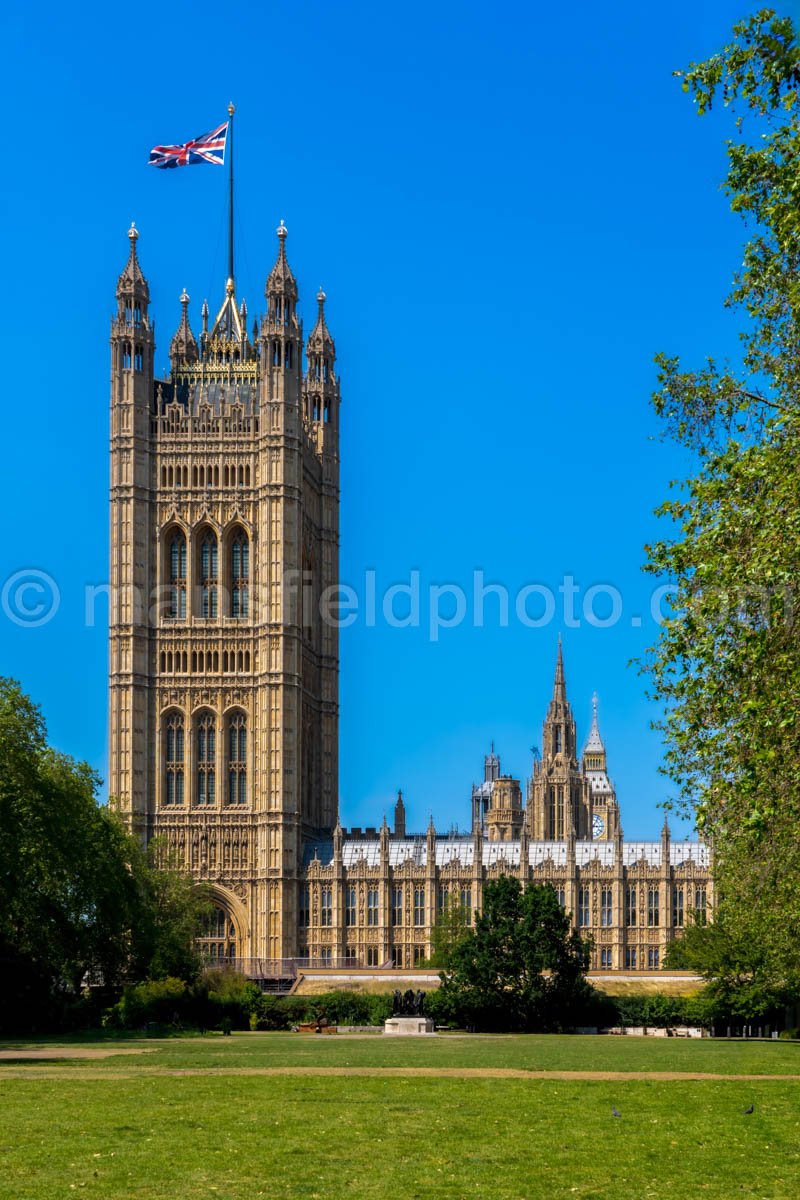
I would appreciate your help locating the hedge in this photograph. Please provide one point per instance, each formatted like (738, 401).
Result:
(225, 996)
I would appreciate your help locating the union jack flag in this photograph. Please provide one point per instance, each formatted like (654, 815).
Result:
(208, 148)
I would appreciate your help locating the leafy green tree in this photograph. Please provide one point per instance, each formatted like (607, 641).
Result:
(67, 898)
(80, 902)
(521, 967)
(727, 663)
(171, 911)
(740, 983)
(453, 924)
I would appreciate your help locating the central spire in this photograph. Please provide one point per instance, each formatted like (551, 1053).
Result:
(560, 683)
(559, 727)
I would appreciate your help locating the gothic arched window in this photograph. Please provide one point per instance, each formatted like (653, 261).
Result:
(209, 574)
(206, 758)
(217, 940)
(237, 759)
(240, 574)
(177, 576)
(173, 759)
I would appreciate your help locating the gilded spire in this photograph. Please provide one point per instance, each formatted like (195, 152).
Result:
(228, 326)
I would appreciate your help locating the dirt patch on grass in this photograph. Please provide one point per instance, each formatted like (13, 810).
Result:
(470, 1073)
(398, 1073)
(51, 1053)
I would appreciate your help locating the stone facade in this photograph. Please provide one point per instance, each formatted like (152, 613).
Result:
(373, 896)
(224, 676)
(224, 532)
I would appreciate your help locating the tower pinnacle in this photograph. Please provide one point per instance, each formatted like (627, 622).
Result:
(183, 347)
(281, 282)
(132, 283)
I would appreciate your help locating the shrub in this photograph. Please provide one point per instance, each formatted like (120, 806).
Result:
(337, 1008)
(660, 1010)
(160, 1001)
(224, 996)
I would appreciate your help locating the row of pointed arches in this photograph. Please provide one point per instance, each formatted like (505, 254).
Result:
(205, 475)
(204, 662)
(205, 760)
(207, 575)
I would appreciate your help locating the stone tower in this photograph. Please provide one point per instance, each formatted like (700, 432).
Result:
(505, 814)
(224, 536)
(557, 806)
(602, 797)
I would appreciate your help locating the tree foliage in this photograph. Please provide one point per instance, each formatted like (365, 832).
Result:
(727, 663)
(521, 967)
(80, 901)
(171, 907)
(453, 924)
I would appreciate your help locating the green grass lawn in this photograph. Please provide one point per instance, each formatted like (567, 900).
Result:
(534, 1052)
(71, 1127)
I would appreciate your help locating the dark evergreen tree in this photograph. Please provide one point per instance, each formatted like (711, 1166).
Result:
(522, 967)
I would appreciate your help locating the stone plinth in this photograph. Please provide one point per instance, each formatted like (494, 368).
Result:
(408, 1026)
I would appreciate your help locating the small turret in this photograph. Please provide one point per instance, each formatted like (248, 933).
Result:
(281, 331)
(400, 817)
(132, 290)
(504, 818)
(183, 347)
(321, 384)
(482, 792)
(491, 766)
(281, 286)
(131, 329)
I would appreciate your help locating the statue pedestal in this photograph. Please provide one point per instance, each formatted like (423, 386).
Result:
(408, 1026)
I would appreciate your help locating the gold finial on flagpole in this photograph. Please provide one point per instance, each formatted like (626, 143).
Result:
(231, 109)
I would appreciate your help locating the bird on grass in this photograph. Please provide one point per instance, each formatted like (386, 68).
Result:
(615, 1111)
(747, 1111)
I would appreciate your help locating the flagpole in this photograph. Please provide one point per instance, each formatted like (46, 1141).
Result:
(231, 111)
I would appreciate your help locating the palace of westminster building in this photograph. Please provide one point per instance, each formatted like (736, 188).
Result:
(224, 680)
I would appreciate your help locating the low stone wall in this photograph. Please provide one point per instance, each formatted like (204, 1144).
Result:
(314, 980)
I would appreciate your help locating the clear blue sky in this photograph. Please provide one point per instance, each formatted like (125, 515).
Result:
(511, 207)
